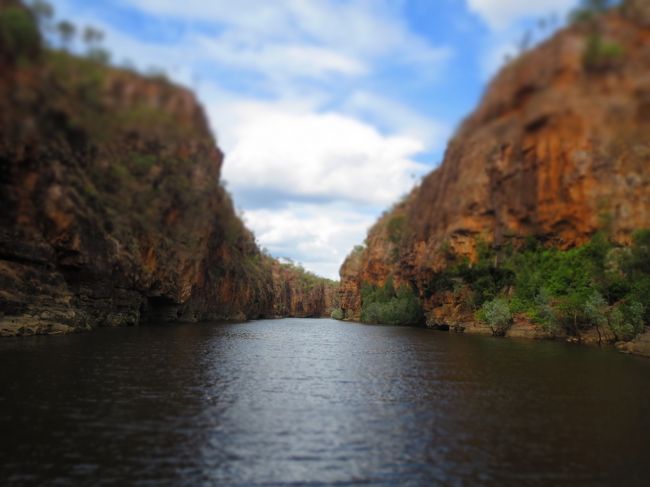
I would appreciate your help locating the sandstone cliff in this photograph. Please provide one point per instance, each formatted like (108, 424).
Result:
(111, 209)
(301, 294)
(557, 148)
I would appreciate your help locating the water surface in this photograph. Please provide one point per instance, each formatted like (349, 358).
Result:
(318, 402)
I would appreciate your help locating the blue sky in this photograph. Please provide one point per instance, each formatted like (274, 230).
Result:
(327, 110)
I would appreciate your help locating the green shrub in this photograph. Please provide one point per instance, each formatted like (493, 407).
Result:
(596, 309)
(636, 270)
(99, 55)
(337, 314)
(621, 329)
(589, 10)
(395, 228)
(543, 312)
(600, 54)
(485, 279)
(598, 283)
(625, 320)
(19, 36)
(496, 313)
(387, 306)
(633, 318)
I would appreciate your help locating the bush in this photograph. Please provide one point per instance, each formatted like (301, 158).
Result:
(636, 270)
(625, 320)
(543, 312)
(633, 314)
(621, 329)
(19, 36)
(395, 228)
(589, 10)
(337, 314)
(387, 306)
(596, 310)
(599, 284)
(99, 55)
(600, 54)
(497, 315)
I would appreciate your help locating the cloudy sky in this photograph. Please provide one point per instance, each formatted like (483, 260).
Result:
(328, 110)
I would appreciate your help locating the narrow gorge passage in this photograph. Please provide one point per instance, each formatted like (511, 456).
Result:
(232, 234)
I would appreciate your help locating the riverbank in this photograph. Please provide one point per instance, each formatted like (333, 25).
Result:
(524, 329)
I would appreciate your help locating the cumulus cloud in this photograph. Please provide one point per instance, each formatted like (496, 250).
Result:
(321, 155)
(393, 116)
(318, 236)
(500, 14)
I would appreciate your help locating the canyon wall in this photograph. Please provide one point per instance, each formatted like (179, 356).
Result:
(557, 149)
(301, 294)
(112, 212)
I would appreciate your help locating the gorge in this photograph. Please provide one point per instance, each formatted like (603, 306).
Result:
(114, 214)
(254, 371)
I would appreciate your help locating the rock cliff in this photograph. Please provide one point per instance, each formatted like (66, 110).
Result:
(301, 294)
(557, 148)
(111, 210)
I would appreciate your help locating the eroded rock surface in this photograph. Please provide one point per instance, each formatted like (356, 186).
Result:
(111, 209)
(556, 148)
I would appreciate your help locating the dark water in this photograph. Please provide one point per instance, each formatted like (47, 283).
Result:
(318, 402)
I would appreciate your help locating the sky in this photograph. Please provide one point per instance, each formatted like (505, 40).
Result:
(328, 111)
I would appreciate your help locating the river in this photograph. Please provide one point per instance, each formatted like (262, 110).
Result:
(318, 402)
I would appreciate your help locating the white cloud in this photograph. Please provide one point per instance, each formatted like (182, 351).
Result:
(500, 14)
(315, 155)
(291, 59)
(352, 31)
(396, 117)
(317, 236)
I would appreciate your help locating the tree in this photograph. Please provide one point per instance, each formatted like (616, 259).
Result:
(19, 35)
(525, 42)
(589, 10)
(99, 55)
(497, 315)
(44, 12)
(596, 309)
(596, 5)
(67, 31)
(92, 36)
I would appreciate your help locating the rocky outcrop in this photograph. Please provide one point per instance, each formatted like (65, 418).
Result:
(557, 148)
(639, 346)
(301, 294)
(112, 212)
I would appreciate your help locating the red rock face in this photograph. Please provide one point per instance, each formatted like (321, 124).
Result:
(301, 295)
(556, 149)
(112, 212)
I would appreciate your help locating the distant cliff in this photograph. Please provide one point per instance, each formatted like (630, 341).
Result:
(301, 294)
(557, 149)
(112, 212)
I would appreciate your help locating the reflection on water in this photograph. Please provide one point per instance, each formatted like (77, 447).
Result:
(307, 401)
